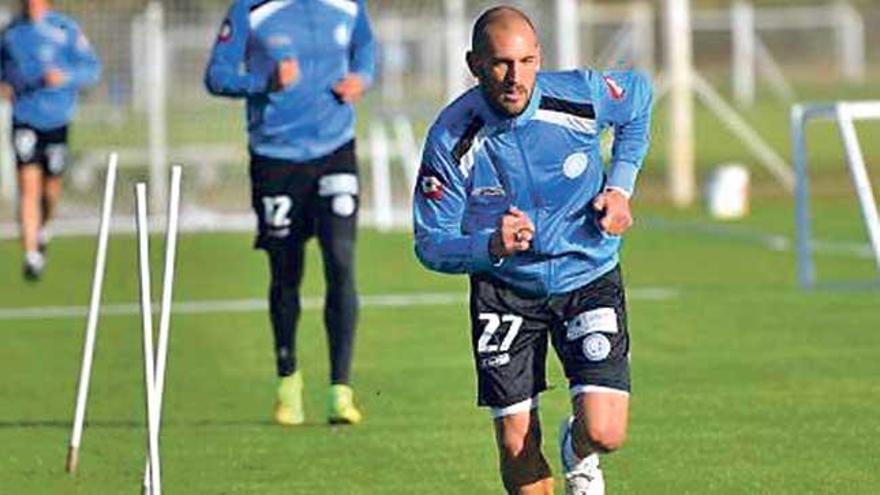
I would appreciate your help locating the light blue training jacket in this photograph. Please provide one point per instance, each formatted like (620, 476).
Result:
(27, 50)
(546, 162)
(328, 38)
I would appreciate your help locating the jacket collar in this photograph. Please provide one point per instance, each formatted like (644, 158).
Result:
(495, 119)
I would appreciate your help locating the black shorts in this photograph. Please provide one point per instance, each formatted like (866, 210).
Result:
(291, 198)
(48, 149)
(509, 334)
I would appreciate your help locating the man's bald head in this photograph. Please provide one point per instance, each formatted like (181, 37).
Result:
(34, 8)
(505, 57)
(502, 17)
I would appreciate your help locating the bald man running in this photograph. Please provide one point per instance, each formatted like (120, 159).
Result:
(513, 191)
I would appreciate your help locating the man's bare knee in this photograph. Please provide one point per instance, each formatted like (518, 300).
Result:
(605, 439)
(601, 422)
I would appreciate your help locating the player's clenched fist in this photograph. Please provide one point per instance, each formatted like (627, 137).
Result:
(615, 206)
(54, 77)
(286, 74)
(350, 88)
(514, 234)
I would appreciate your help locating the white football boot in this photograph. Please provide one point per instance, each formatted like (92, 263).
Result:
(34, 264)
(582, 476)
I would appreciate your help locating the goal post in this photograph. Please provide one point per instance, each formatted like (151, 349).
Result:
(845, 114)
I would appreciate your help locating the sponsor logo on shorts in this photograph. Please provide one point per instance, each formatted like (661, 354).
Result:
(495, 361)
(343, 205)
(596, 347)
(596, 320)
(56, 158)
(25, 144)
(278, 233)
(333, 184)
(342, 189)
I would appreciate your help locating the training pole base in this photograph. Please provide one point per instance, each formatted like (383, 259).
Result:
(72, 460)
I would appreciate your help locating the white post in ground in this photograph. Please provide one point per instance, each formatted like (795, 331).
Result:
(642, 16)
(407, 148)
(680, 155)
(8, 188)
(383, 213)
(157, 74)
(846, 114)
(147, 327)
(850, 32)
(85, 372)
(168, 279)
(138, 63)
(742, 31)
(456, 46)
(173, 214)
(393, 53)
(567, 37)
(587, 25)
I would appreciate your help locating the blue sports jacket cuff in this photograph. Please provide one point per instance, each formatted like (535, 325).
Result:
(366, 77)
(623, 176)
(258, 84)
(480, 259)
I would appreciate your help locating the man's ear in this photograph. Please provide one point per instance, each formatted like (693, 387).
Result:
(473, 63)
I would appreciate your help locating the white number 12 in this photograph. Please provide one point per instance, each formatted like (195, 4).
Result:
(275, 211)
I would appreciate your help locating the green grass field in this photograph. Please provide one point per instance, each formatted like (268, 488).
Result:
(743, 383)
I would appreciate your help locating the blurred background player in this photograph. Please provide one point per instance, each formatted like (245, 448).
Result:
(513, 191)
(44, 60)
(301, 66)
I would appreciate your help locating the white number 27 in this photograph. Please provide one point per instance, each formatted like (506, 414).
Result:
(493, 323)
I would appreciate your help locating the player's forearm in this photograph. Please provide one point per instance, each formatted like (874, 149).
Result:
(631, 142)
(87, 73)
(362, 55)
(22, 85)
(225, 82)
(622, 176)
(21, 81)
(451, 253)
(363, 63)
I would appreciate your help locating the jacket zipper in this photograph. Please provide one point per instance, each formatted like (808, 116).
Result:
(310, 15)
(539, 204)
